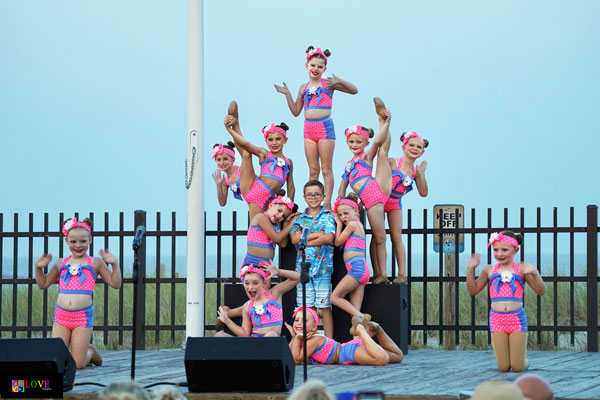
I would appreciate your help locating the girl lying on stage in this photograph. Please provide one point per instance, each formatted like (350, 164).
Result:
(262, 315)
(361, 350)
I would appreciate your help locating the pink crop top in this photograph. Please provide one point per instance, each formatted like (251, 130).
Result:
(319, 97)
(402, 184)
(357, 170)
(324, 353)
(355, 243)
(268, 313)
(257, 237)
(506, 286)
(275, 168)
(77, 279)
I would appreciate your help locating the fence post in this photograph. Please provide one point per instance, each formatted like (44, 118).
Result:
(592, 278)
(139, 218)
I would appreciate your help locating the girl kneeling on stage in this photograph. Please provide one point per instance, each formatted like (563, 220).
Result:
(361, 350)
(262, 315)
(508, 322)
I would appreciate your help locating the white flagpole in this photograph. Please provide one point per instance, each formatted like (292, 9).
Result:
(194, 321)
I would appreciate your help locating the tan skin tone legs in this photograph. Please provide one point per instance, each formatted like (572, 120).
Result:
(79, 340)
(510, 351)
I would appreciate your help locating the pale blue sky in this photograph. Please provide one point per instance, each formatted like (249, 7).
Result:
(93, 100)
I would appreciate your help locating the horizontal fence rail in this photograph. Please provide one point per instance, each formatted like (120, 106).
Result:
(440, 312)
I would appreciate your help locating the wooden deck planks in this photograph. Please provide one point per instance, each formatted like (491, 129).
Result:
(423, 373)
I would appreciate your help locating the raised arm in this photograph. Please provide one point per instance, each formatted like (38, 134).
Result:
(336, 83)
(533, 278)
(267, 227)
(342, 235)
(291, 279)
(295, 107)
(221, 187)
(45, 280)
(112, 278)
(420, 179)
(474, 285)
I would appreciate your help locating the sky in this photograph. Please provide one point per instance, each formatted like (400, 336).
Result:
(93, 97)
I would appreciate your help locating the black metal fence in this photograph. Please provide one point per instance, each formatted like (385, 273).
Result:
(571, 307)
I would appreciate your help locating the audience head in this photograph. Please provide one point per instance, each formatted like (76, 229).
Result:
(497, 390)
(124, 390)
(312, 390)
(534, 387)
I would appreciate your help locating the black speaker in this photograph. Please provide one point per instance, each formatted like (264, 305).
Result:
(239, 364)
(37, 356)
(388, 305)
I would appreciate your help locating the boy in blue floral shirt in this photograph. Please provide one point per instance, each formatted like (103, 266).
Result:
(319, 252)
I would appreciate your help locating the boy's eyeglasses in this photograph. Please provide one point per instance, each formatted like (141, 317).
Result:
(313, 195)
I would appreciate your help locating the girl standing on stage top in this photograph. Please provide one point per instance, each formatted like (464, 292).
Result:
(508, 321)
(404, 174)
(76, 274)
(228, 175)
(352, 240)
(275, 168)
(362, 350)
(316, 98)
(262, 315)
(373, 192)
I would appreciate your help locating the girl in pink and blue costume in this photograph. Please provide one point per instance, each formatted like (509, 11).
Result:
(404, 176)
(316, 97)
(227, 177)
(264, 233)
(262, 315)
(373, 192)
(76, 275)
(275, 168)
(361, 350)
(352, 239)
(508, 322)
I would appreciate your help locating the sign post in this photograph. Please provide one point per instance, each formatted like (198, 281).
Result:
(450, 217)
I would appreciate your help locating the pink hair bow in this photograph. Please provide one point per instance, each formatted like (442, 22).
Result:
(284, 200)
(272, 128)
(313, 52)
(410, 135)
(73, 223)
(357, 130)
(222, 150)
(246, 269)
(500, 237)
(347, 202)
(310, 311)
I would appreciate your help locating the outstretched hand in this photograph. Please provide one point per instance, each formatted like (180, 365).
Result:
(222, 315)
(474, 260)
(107, 256)
(421, 168)
(290, 329)
(332, 81)
(282, 89)
(269, 267)
(218, 177)
(43, 261)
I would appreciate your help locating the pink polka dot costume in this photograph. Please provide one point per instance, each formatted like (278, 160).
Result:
(401, 184)
(78, 279)
(370, 193)
(269, 313)
(507, 286)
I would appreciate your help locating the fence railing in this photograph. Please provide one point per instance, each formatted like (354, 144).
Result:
(569, 308)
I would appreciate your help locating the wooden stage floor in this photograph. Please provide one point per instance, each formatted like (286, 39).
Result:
(423, 374)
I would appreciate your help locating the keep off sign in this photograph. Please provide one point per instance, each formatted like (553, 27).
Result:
(444, 216)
